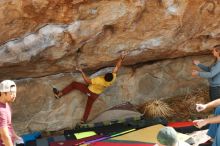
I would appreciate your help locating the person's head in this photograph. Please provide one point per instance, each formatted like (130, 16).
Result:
(216, 51)
(7, 91)
(167, 136)
(108, 77)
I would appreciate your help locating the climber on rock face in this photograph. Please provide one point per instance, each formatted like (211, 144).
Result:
(93, 87)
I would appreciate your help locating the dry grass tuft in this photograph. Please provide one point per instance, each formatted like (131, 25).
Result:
(156, 108)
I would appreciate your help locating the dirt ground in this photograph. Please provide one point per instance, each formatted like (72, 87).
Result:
(182, 108)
